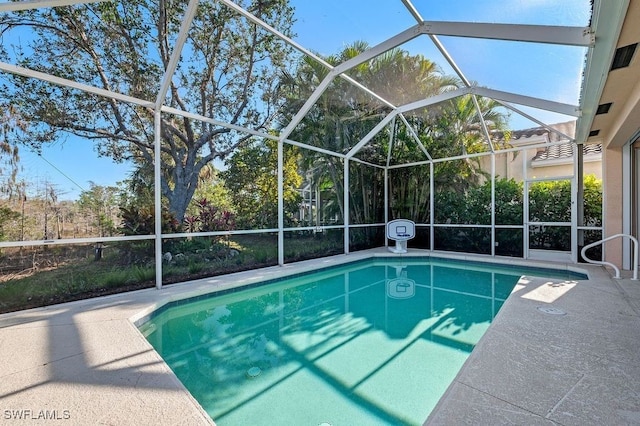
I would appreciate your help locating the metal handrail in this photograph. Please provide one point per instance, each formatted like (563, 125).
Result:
(615, 268)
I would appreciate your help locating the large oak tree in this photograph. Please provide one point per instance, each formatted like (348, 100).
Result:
(228, 71)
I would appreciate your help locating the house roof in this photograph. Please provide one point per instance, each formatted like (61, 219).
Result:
(567, 128)
(565, 151)
(565, 132)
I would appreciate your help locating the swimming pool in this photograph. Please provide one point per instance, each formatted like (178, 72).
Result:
(373, 342)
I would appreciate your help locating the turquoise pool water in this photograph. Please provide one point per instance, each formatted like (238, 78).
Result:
(374, 342)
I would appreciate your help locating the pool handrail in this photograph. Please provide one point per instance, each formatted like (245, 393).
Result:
(615, 268)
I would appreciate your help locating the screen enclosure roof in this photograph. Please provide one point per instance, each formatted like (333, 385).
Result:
(539, 63)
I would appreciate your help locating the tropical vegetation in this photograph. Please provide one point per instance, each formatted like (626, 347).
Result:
(217, 178)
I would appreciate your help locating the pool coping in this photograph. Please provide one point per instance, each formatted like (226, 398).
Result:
(87, 360)
(144, 316)
(299, 268)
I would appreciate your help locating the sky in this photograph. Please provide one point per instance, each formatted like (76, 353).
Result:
(551, 72)
(69, 177)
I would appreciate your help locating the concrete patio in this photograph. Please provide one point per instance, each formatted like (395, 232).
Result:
(86, 363)
(579, 364)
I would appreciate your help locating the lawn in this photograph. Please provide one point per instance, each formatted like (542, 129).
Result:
(39, 276)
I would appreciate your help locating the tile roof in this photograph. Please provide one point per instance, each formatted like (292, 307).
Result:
(568, 128)
(565, 151)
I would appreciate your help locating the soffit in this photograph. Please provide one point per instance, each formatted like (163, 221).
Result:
(622, 89)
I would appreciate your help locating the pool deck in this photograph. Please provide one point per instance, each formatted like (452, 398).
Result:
(86, 363)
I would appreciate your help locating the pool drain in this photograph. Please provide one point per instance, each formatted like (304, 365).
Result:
(551, 310)
(253, 372)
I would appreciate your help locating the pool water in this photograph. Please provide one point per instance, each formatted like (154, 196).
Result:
(375, 342)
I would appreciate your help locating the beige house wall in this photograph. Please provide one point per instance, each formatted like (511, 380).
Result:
(612, 208)
(510, 166)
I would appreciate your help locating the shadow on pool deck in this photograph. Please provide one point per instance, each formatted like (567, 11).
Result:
(81, 364)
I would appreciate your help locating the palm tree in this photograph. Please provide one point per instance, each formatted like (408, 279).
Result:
(449, 129)
(344, 114)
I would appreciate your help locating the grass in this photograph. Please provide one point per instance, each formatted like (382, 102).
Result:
(45, 276)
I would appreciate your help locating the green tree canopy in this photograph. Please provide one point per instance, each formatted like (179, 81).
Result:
(344, 114)
(251, 177)
(101, 204)
(229, 71)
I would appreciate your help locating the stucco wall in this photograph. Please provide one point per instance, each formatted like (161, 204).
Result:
(509, 167)
(612, 202)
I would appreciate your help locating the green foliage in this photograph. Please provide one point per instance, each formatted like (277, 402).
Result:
(468, 240)
(191, 245)
(302, 246)
(410, 193)
(365, 238)
(209, 218)
(195, 267)
(101, 203)
(344, 115)
(366, 194)
(508, 201)
(251, 178)
(142, 274)
(141, 221)
(592, 201)
(229, 70)
(549, 201)
(474, 205)
(453, 130)
(6, 215)
(211, 188)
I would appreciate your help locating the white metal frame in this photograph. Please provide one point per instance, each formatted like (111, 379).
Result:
(633, 239)
(606, 24)
(527, 222)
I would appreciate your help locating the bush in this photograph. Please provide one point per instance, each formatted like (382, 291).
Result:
(549, 201)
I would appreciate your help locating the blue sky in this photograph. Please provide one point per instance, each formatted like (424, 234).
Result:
(551, 72)
(70, 167)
